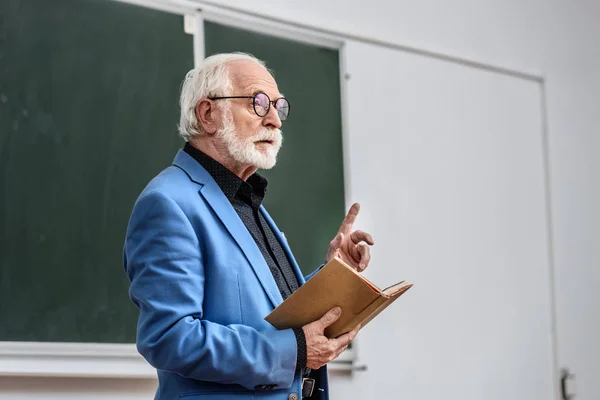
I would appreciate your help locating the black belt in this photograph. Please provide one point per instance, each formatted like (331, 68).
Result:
(308, 384)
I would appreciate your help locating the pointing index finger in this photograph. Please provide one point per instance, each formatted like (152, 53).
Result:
(348, 221)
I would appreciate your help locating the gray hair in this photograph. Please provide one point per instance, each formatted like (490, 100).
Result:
(210, 79)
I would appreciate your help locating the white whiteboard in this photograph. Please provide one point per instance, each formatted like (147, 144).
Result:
(447, 163)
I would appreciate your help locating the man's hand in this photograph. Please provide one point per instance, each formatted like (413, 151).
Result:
(319, 349)
(351, 247)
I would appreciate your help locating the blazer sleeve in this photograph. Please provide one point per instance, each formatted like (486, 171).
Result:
(307, 277)
(164, 263)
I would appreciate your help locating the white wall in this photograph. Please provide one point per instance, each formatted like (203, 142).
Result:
(558, 39)
(447, 161)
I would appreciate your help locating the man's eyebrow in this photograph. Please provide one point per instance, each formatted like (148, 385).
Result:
(254, 91)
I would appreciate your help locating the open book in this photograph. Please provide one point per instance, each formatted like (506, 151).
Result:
(336, 284)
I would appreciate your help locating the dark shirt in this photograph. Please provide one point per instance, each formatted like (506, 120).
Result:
(246, 198)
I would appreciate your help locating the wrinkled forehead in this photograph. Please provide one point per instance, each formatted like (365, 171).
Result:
(249, 78)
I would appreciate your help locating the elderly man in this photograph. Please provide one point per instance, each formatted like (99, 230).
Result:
(207, 263)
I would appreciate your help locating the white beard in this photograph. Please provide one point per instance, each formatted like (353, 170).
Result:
(244, 151)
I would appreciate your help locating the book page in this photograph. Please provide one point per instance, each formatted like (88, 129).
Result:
(364, 279)
(369, 283)
(395, 289)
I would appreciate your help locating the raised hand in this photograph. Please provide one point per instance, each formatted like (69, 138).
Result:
(351, 246)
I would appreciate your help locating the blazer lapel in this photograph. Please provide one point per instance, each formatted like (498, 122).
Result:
(223, 208)
(217, 200)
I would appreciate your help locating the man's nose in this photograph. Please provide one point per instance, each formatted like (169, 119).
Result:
(271, 120)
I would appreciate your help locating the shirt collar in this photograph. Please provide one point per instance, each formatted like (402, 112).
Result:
(252, 191)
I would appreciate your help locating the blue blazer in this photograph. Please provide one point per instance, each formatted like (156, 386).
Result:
(203, 289)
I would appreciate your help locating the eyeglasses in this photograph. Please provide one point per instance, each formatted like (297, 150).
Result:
(262, 104)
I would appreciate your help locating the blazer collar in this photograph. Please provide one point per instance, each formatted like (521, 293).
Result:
(191, 167)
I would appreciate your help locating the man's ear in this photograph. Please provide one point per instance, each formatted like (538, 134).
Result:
(208, 115)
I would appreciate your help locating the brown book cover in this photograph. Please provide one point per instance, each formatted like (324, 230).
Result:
(336, 284)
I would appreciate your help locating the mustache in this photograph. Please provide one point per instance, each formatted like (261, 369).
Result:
(268, 134)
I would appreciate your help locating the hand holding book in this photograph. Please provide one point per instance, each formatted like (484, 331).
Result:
(320, 349)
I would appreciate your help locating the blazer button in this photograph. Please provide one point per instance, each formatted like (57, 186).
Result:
(293, 396)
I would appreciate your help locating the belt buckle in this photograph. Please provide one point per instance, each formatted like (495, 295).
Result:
(308, 385)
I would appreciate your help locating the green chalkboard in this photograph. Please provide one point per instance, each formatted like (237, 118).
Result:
(306, 188)
(89, 95)
(88, 112)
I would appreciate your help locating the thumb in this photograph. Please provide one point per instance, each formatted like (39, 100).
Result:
(330, 317)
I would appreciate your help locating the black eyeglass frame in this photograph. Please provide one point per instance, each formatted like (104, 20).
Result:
(289, 106)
